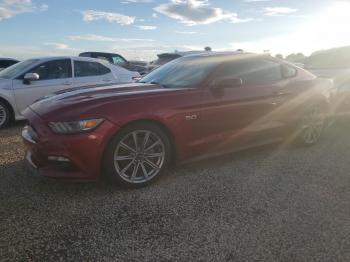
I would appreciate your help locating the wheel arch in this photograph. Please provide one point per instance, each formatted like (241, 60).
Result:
(157, 123)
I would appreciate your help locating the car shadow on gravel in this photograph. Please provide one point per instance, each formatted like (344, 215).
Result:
(332, 133)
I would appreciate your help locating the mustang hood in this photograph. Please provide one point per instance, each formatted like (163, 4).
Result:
(86, 99)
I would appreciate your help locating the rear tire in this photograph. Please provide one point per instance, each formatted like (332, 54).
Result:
(312, 125)
(5, 115)
(137, 156)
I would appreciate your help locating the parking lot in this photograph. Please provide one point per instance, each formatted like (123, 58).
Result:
(278, 203)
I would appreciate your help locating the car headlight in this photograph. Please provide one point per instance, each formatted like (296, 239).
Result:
(74, 126)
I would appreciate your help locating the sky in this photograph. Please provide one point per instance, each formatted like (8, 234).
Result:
(140, 29)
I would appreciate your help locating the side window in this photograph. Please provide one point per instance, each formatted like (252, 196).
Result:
(253, 72)
(3, 64)
(288, 71)
(10, 63)
(55, 69)
(83, 69)
(85, 54)
(103, 69)
(229, 70)
(262, 72)
(118, 60)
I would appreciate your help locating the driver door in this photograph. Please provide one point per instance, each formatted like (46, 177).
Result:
(240, 117)
(54, 76)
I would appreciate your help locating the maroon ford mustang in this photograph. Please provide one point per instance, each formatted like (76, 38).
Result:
(194, 107)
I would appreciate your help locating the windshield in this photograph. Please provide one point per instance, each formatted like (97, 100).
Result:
(16, 69)
(118, 60)
(182, 72)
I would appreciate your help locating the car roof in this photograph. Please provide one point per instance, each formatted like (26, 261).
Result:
(204, 53)
(5, 58)
(226, 53)
(96, 52)
(226, 56)
(48, 58)
(180, 53)
(101, 53)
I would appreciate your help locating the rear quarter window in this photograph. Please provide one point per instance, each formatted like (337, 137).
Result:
(84, 69)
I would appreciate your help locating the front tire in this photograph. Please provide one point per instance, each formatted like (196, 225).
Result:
(5, 115)
(138, 155)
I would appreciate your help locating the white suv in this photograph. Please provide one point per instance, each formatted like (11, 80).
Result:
(27, 81)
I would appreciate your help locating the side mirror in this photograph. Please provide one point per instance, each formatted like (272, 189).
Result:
(228, 83)
(29, 77)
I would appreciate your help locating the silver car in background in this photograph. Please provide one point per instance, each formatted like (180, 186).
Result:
(27, 81)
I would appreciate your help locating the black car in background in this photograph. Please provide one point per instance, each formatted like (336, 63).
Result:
(116, 59)
(167, 57)
(6, 62)
(163, 59)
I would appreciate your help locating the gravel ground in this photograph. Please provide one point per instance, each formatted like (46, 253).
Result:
(272, 204)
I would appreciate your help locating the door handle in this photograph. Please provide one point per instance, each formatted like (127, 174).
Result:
(106, 80)
(278, 97)
(279, 93)
(66, 83)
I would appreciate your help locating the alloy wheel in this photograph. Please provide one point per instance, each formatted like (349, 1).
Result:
(139, 156)
(312, 125)
(3, 115)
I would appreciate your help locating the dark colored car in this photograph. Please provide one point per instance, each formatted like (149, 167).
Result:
(168, 57)
(116, 59)
(7, 62)
(191, 108)
(163, 59)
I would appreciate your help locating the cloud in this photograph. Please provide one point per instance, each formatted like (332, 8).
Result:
(43, 7)
(196, 12)
(60, 46)
(186, 32)
(278, 11)
(92, 15)
(147, 27)
(136, 1)
(11, 8)
(99, 38)
(22, 52)
(155, 15)
(254, 1)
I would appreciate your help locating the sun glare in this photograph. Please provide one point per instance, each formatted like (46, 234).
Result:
(323, 30)
(331, 27)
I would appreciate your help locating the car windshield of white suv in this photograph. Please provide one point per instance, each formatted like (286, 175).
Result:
(182, 72)
(16, 69)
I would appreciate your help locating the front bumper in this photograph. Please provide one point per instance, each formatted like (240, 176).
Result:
(82, 154)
